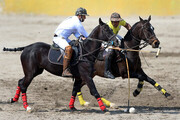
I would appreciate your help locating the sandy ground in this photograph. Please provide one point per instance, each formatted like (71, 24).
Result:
(49, 95)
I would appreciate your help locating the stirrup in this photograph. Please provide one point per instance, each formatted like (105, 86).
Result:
(66, 73)
(108, 74)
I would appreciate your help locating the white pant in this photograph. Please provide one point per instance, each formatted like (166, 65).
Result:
(119, 37)
(61, 42)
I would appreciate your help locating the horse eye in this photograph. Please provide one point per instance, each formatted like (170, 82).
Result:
(152, 28)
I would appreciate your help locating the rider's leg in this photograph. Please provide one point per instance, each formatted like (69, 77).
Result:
(66, 61)
(63, 44)
(108, 58)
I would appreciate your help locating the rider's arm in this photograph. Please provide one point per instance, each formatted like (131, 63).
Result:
(127, 26)
(81, 31)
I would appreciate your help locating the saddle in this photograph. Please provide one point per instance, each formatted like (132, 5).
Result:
(56, 54)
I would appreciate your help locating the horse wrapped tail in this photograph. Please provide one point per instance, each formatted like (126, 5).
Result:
(13, 49)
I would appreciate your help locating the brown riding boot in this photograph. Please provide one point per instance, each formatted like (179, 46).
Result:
(66, 61)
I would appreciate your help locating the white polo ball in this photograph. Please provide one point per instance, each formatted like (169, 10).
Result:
(132, 110)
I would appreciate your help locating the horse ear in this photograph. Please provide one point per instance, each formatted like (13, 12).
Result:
(101, 22)
(140, 18)
(149, 18)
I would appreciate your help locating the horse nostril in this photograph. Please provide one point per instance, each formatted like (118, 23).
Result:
(156, 44)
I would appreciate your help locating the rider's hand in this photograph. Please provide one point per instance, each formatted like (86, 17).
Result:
(83, 38)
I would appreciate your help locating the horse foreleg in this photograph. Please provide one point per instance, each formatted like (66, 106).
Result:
(95, 93)
(76, 89)
(86, 73)
(81, 100)
(141, 77)
(159, 88)
(84, 103)
(139, 88)
(80, 97)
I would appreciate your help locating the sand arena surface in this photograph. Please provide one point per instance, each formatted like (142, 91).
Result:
(49, 95)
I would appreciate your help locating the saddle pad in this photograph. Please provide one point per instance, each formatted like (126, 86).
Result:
(56, 56)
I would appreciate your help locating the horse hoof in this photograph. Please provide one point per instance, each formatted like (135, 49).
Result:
(135, 93)
(105, 110)
(168, 96)
(28, 110)
(73, 109)
(86, 104)
(10, 100)
(113, 106)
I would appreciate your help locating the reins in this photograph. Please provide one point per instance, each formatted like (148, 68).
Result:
(91, 52)
(138, 41)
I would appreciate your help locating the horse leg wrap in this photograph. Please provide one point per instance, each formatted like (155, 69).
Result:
(81, 100)
(140, 86)
(24, 99)
(71, 103)
(16, 97)
(101, 105)
(108, 103)
(158, 87)
(139, 89)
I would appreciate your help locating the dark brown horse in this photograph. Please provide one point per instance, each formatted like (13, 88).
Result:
(34, 59)
(141, 33)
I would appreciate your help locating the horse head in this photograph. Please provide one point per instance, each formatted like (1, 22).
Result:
(143, 30)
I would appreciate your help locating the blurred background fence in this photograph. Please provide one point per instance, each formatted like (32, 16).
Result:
(94, 7)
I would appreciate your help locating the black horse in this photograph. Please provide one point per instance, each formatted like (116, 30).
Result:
(141, 30)
(34, 59)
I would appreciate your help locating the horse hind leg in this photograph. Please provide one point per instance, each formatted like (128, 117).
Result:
(22, 88)
(24, 83)
(81, 99)
(16, 97)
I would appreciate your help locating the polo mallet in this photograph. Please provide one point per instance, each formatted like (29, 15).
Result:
(157, 53)
(127, 111)
(117, 48)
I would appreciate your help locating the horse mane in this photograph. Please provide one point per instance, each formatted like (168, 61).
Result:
(126, 37)
(92, 35)
(95, 29)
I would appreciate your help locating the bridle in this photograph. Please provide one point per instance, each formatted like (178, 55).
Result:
(138, 40)
(146, 41)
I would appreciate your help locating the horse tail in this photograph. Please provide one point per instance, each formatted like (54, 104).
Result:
(13, 49)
